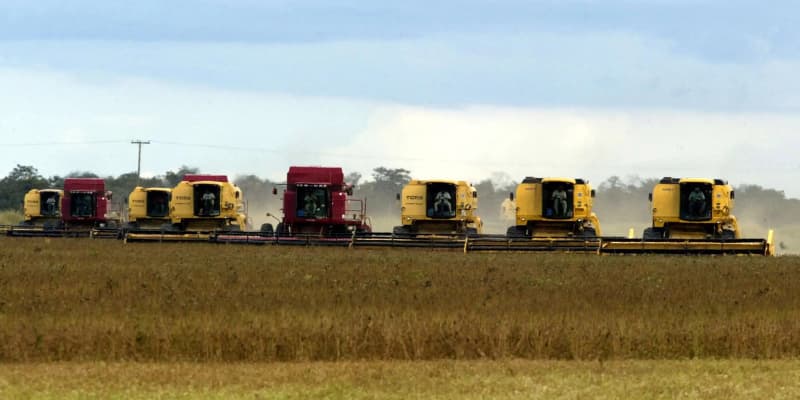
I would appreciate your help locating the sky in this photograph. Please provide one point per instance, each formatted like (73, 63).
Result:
(450, 89)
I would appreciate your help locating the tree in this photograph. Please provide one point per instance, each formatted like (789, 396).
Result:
(14, 186)
(173, 178)
(353, 178)
(390, 180)
(124, 184)
(82, 174)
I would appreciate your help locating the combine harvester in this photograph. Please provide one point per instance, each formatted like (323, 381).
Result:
(692, 216)
(42, 214)
(438, 208)
(148, 209)
(200, 208)
(77, 210)
(317, 209)
(433, 214)
(551, 214)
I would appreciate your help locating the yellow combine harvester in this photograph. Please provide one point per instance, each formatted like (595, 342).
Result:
(693, 215)
(438, 207)
(42, 209)
(554, 208)
(199, 206)
(692, 208)
(148, 208)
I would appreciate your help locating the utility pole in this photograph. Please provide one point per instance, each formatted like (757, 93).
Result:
(139, 164)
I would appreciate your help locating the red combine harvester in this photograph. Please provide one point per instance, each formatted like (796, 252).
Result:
(316, 202)
(85, 207)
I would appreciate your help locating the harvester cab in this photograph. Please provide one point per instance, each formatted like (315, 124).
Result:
(205, 203)
(43, 208)
(692, 208)
(84, 203)
(554, 208)
(316, 202)
(438, 207)
(148, 208)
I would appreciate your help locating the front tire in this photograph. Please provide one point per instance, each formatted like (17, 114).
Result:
(401, 231)
(516, 232)
(281, 230)
(653, 234)
(266, 230)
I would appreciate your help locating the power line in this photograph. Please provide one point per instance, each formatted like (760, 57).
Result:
(76, 143)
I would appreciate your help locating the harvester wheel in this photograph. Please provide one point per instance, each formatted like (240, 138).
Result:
(589, 233)
(233, 228)
(516, 232)
(168, 228)
(728, 235)
(266, 230)
(281, 230)
(472, 232)
(51, 226)
(652, 234)
(401, 231)
(363, 230)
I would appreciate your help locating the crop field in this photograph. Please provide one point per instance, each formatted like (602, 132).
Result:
(76, 305)
(443, 379)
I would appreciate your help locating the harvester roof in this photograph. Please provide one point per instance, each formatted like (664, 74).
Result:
(152, 189)
(710, 181)
(427, 181)
(204, 177)
(564, 180)
(84, 184)
(319, 175)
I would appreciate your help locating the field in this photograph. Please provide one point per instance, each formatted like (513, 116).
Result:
(71, 307)
(10, 217)
(445, 379)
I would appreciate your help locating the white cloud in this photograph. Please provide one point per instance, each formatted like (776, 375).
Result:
(472, 142)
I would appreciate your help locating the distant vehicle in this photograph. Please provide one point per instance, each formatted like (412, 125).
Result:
(554, 207)
(317, 201)
(438, 207)
(204, 203)
(85, 204)
(79, 209)
(148, 208)
(692, 208)
(42, 208)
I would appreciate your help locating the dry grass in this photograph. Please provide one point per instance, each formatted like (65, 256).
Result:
(83, 300)
(10, 217)
(504, 379)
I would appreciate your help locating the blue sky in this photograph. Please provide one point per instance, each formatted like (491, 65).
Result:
(585, 88)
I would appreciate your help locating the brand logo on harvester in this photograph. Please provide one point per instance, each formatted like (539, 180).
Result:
(183, 197)
(413, 197)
